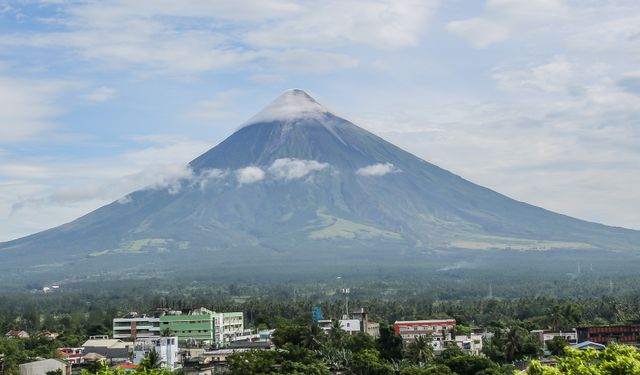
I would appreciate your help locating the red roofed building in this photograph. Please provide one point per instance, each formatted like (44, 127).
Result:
(71, 355)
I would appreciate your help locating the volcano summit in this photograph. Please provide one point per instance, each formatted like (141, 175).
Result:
(298, 183)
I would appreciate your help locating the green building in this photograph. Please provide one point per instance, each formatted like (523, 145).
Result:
(199, 325)
(204, 325)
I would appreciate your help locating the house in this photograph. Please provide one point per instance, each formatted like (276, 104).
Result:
(14, 334)
(71, 355)
(471, 344)
(588, 345)
(111, 349)
(544, 335)
(44, 366)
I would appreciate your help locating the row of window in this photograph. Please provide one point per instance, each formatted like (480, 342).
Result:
(424, 328)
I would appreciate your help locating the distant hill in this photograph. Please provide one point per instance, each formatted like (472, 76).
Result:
(297, 183)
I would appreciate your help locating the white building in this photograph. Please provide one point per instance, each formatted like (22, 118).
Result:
(136, 326)
(44, 366)
(471, 344)
(544, 335)
(229, 326)
(166, 347)
(351, 326)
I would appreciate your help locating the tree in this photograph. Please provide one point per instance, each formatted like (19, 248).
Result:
(432, 370)
(557, 346)
(389, 345)
(614, 360)
(368, 362)
(253, 362)
(420, 351)
(151, 361)
(471, 365)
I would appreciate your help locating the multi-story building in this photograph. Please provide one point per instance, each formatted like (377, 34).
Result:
(138, 327)
(628, 335)
(229, 325)
(197, 325)
(204, 325)
(440, 330)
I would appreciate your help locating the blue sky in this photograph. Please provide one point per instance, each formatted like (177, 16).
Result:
(537, 99)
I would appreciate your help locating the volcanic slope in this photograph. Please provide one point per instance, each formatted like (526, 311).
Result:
(300, 182)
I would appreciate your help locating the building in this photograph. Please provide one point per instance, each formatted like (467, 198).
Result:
(166, 347)
(440, 330)
(229, 325)
(366, 325)
(351, 326)
(544, 335)
(588, 345)
(111, 349)
(137, 327)
(44, 366)
(204, 325)
(195, 325)
(471, 344)
(17, 334)
(71, 355)
(628, 335)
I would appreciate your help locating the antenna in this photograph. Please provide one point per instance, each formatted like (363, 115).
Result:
(345, 293)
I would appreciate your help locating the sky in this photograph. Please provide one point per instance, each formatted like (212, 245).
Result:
(536, 99)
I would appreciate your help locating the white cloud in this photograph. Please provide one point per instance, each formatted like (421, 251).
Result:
(249, 175)
(155, 177)
(160, 37)
(101, 94)
(479, 32)
(291, 169)
(379, 169)
(380, 23)
(209, 175)
(554, 76)
(28, 107)
(502, 17)
(40, 193)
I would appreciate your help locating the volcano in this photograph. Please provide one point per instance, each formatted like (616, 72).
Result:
(297, 182)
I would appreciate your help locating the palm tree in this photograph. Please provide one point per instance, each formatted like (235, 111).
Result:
(420, 351)
(151, 361)
(513, 343)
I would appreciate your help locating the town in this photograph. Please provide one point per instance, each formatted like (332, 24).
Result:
(203, 342)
